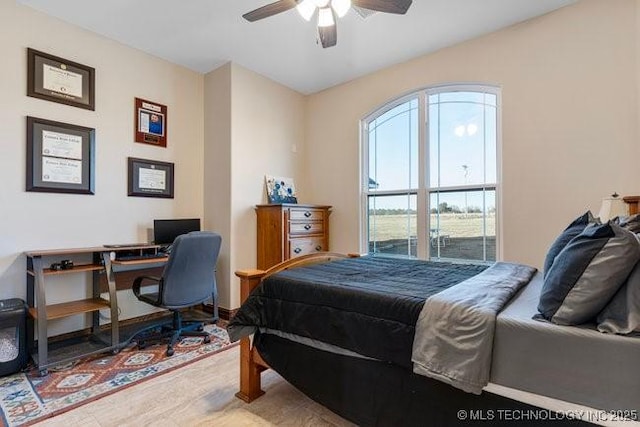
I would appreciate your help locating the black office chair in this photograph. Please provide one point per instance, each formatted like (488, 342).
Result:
(188, 279)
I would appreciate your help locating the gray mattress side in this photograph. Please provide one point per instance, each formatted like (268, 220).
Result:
(574, 364)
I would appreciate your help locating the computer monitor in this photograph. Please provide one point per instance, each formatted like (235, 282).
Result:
(165, 231)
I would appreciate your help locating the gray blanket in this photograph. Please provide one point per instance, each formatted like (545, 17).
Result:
(454, 334)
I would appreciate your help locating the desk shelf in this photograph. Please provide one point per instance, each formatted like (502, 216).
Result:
(75, 269)
(57, 311)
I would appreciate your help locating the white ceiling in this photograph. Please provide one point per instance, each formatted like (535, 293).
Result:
(204, 34)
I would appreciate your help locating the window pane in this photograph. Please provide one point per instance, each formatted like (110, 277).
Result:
(490, 99)
(462, 97)
(434, 146)
(462, 137)
(491, 138)
(393, 148)
(463, 225)
(402, 108)
(392, 225)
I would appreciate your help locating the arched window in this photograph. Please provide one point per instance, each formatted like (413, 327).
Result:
(430, 175)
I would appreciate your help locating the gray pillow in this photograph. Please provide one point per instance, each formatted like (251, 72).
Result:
(575, 228)
(622, 314)
(587, 273)
(631, 222)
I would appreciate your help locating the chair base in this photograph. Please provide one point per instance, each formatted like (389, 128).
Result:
(175, 337)
(174, 332)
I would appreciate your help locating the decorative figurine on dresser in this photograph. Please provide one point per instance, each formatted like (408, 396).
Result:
(289, 230)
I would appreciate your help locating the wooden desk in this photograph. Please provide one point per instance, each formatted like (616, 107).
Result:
(103, 268)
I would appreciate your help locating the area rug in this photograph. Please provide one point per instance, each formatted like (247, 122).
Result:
(26, 398)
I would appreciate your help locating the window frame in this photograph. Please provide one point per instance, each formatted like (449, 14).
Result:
(424, 188)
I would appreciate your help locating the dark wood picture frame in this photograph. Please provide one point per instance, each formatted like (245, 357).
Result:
(150, 122)
(60, 157)
(145, 180)
(59, 80)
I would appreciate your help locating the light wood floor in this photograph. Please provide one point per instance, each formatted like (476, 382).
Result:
(201, 394)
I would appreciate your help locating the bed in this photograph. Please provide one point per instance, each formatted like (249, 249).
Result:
(345, 338)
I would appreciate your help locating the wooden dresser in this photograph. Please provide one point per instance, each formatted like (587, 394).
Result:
(289, 230)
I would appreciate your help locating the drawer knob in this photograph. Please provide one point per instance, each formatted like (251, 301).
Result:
(297, 250)
(307, 227)
(318, 248)
(307, 214)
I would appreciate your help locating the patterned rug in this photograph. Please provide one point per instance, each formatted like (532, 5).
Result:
(26, 397)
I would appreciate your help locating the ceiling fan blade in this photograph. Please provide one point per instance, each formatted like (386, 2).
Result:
(388, 6)
(270, 10)
(328, 35)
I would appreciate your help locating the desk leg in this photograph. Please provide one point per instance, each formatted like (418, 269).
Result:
(31, 302)
(113, 298)
(41, 310)
(95, 316)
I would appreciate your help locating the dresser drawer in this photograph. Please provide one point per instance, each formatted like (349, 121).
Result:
(306, 227)
(299, 247)
(302, 214)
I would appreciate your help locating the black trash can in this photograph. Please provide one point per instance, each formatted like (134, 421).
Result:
(13, 346)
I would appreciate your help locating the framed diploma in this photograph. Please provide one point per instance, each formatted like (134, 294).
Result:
(151, 123)
(150, 178)
(60, 157)
(59, 80)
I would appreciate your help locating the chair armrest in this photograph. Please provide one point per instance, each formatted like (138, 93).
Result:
(138, 282)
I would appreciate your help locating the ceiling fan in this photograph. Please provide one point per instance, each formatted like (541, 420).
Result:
(327, 12)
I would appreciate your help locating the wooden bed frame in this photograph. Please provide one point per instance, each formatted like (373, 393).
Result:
(251, 364)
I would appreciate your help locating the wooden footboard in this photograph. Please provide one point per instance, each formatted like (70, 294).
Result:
(251, 364)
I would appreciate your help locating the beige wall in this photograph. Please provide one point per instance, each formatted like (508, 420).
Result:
(46, 220)
(217, 168)
(569, 125)
(266, 126)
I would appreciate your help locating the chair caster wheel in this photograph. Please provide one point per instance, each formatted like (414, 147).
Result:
(116, 351)
(43, 372)
(200, 328)
(207, 339)
(170, 352)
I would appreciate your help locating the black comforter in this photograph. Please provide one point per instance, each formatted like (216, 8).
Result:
(368, 305)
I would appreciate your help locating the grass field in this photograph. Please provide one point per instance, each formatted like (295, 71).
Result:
(388, 227)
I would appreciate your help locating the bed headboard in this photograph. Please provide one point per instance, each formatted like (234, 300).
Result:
(633, 202)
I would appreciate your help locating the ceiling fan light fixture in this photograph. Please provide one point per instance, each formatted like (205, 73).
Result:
(306, 8)
(328, 13)
(341, 7)
(325, 17)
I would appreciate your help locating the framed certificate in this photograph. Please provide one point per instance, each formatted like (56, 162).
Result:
(60, 157)
(151, 123)
(150, 178)
(59, 80)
